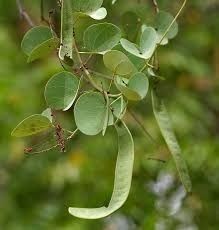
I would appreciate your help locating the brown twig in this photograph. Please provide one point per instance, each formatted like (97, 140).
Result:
(156, 8)
(24, 14)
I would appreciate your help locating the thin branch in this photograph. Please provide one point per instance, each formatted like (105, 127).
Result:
(165, 33)
(72, 134)
(24, 14)
(174, 20)
(88, 59)
(142, 126)
(156, 7)
(87, 73)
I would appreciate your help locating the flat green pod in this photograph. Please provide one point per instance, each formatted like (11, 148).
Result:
(123, 178)
(167, 131)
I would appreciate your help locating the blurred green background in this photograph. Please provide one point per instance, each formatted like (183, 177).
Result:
(36, 191)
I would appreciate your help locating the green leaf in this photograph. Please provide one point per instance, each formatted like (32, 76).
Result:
(44, 49)
(38, 42)
(61, 91)
(32, 125)
(122, 86)
(66, 30)
(162, 22)
(159, 36)
(99, 14)
(131, 48)
(118, 62)
(148, 41)
(136, 61)
(86, 6)
(123, 178)
(48, 113)
(101, 37)
(135, 88)
(90, 111)
(140, 84)
(165, 125)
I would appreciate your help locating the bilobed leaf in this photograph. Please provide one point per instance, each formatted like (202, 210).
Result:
(32, 125)
(131, 47)
(101, 37)
(162, 22)
(159, 36)
(118, 62)
(38, 42)
(99, 14)
(122, 86)
(148, 42)
(66, 30)
(135, 88)
(136, 61)
(61, 91)
(165, 125)
(90, 112)
(86, 6)
(140, 84)
(123, 178)
(164, 41)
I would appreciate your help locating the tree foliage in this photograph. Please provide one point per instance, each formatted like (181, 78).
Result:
(83, 176)
(92, 110)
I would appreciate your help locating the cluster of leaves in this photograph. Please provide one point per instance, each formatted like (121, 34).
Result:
(131, 66)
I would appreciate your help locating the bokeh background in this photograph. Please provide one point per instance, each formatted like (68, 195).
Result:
(36, 191)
